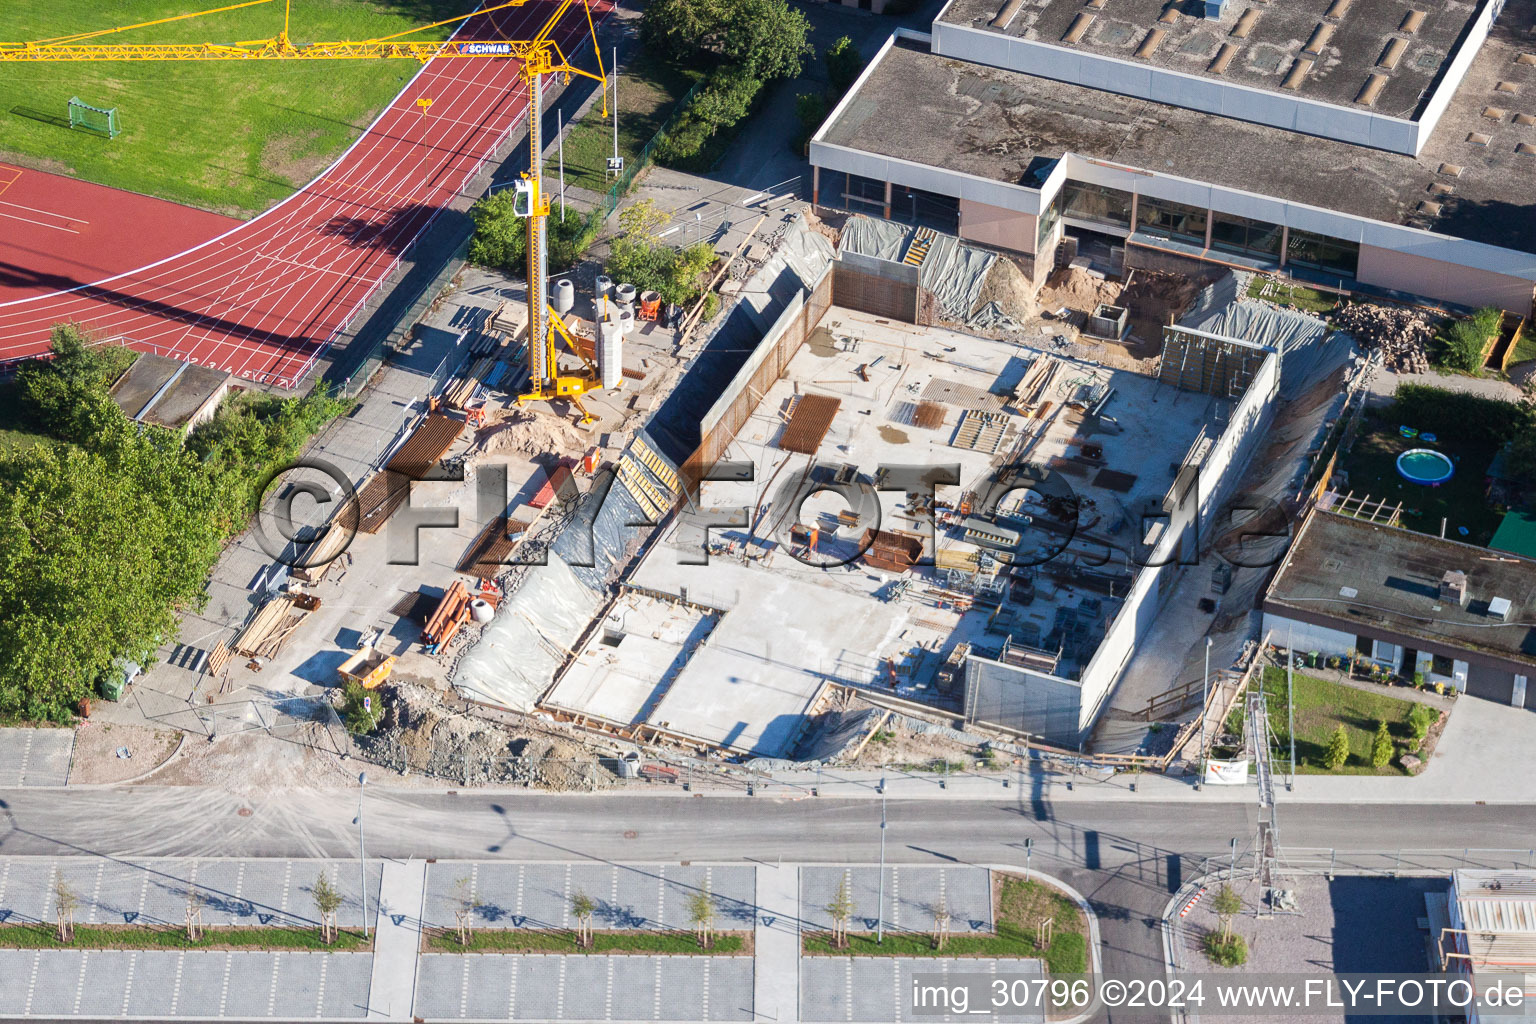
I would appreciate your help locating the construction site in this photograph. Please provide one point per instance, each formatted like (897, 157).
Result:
(889, 487)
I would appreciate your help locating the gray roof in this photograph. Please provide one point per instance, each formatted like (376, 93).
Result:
(1008, 126)
(1277, 37)
(1395, 575)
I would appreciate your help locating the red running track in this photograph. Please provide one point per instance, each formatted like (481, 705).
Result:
(264, 299)
(58, 232)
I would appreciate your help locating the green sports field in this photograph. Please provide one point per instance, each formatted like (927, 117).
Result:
(224, 136)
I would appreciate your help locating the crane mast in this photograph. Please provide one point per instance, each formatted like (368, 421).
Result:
(540, 56)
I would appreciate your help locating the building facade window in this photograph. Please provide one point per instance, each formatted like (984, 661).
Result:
(1245, 237)
(1049, 218)
(1096, 203)
(1440, 665)
(1163, 219)
(1319, 252)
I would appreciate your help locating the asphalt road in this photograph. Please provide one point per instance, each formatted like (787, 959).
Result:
(1126, 857)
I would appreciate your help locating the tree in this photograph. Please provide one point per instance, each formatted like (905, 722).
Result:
(701, 913)
(1420, 718)
(360, 710)
(582, 908)
(941, 918)
(639, 255)
(843, 65)
(327, 902)
(65, 903)
(1381, 746)
(1337, 753)
(195, 903)
(465, 903)
(1226, 905)
(765, 38)
(500, 240)
(840, 910)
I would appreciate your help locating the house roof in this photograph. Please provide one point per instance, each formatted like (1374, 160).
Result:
(1365, 576)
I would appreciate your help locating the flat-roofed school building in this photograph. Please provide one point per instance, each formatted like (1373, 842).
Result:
(1373, 145)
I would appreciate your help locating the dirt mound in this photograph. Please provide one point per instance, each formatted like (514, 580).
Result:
(1006, 285)
(433, 739)
(1402, 334)
(530, 431)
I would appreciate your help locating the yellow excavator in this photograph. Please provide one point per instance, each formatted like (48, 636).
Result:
(540, 56)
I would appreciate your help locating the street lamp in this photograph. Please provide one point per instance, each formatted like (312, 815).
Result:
(880, 903)
(1205, 700)
(362, 872)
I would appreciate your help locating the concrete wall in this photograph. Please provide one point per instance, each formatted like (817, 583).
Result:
(998, 227)
(1023, 701)
(1306, 636)
(1419, 275)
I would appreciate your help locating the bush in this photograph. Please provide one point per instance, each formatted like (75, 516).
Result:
(1381, 746)
(1454, 414)
(843, 65)
(500, 240)
(640, 257)
(1228, 951)
(811, 108)
(1420, 719)
(360, 709)
(718, 105)
(1337, 754)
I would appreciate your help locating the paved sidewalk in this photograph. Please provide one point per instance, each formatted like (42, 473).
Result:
(397, 939)
(776, 983)
(35, 757)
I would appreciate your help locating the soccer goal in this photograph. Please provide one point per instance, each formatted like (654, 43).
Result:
(99, 120)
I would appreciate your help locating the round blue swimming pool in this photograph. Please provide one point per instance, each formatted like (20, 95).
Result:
(1425, 466)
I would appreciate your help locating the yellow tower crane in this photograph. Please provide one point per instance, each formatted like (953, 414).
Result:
(540, 56)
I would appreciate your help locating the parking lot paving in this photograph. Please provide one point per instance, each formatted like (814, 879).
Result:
(860, 989)
(115, 983)
(583, 987)
(628, 896)
(35, 757)
(245, 892)
(911, 894)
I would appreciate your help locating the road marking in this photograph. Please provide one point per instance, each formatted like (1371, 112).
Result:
(521, 868)
(90, 913)
(704, 1006)
(896, 896)
(13, 179)
(287, 880)
(32, 984)
(565, 907)
(51, 227)
(85, 955)
(661, 896)
(464, 989)
(277, 959)
(143, 898)
(608, 1000)
(181, 960)
(656, 993)
(325, 963)
(5, 874)
(512, 989)
(848, 986)
(614, 895)
(560, 992)
(46, 213)
(239, 888)
(229, 961)
(26, 752)
(133, 961)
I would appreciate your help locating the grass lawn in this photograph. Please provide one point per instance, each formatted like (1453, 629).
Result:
(1372, 468)
(225, 136)
(1021, 904)
(1300, 296)
(648, 92)
(522, 940)
(1525, 349)
(1320, 706)
(128, 936)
